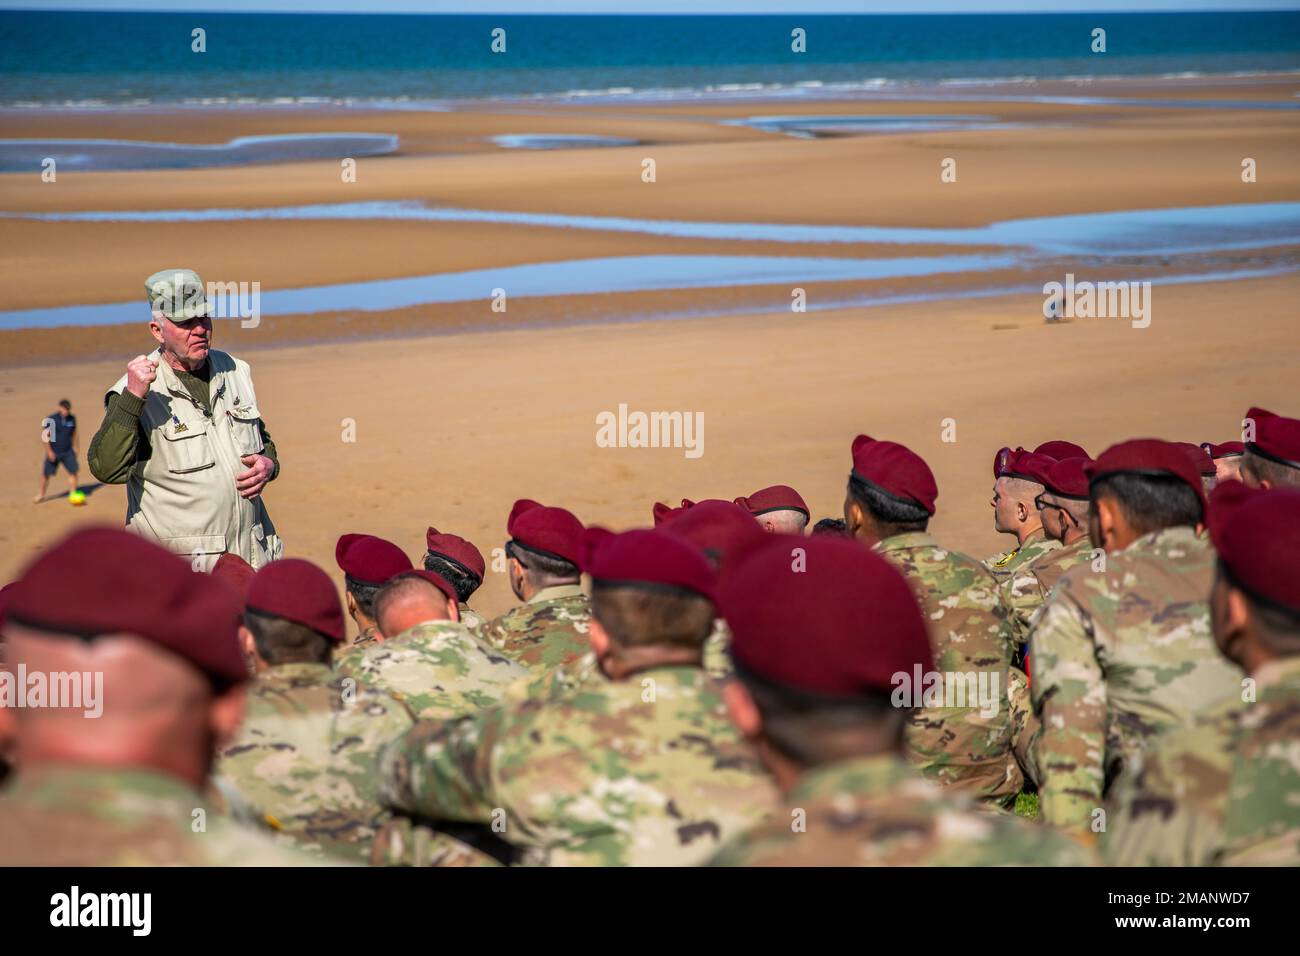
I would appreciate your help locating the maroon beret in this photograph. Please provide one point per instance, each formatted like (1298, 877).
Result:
(647, 556)
(433, 577)
(1060, 450)
(1067, 478)
(102, 581)
(1147, 456)
(298, 591)
(370, 560)
(718, 528)
(456, 549)
(1198, 457)
(1227, 449)
(551, 531)
(896, 470)
(841, 622)
(235, 572)
(774, 498)
(1257, 534)
(1029, 465)
(1276, 438)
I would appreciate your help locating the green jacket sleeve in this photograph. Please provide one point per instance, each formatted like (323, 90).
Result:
(120, 441)
(269, 449)
(439, 769)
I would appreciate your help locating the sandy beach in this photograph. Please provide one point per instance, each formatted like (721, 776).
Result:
(452, 427)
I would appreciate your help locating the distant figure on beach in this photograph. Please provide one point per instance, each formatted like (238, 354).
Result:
(59, 437)
(183, 432)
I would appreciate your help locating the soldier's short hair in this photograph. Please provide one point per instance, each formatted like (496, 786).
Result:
(1149, 502)
(403, 586)
(830, 526)
(543, 565)
(807, 727)
(892, 514)
(363, 593)
(1274, 472)
(279, 641)
(641, 614)
(464, 581)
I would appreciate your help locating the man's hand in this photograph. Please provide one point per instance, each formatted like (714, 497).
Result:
(140, 373)
(250, 483)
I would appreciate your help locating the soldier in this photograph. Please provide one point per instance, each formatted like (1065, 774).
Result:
(890, 500)
(1227, 459)
(302, 761)
(183, 431)
(822, 657)
(367, 563)
(1063, 509)
(550, 627)
(1273, 459)
(779, 509)
(1223, 790)
(457, 560)
(1017, 482)
(640, 769)
(1122, 650)
(122, 787)
(428, 659)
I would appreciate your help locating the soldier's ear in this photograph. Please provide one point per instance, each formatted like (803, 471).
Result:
(599, 638)
(246, 642)
(225, 714)
(453, 609)
(741, 709)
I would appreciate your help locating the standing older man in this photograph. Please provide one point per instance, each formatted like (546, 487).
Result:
(183, 432)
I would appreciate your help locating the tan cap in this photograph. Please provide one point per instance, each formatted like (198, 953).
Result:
(178, 294)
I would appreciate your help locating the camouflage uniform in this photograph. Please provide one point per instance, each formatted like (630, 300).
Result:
(94, 816)
(401, 842)
(877, 811)
(600, 776)
(440, 669)
(365, 638)
(1024, 725)
(547, 630)
(1225, 789)
(471, 618)
(1037, 544)
(558, 681)
(1118, 656)
(970, 633)
(303, 760)
(1027, 588)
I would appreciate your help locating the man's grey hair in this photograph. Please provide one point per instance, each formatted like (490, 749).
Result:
(785, 521)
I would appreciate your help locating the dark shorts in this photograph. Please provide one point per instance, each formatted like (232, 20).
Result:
(68, 459)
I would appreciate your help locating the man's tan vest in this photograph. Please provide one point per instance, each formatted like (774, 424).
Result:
(184, 496)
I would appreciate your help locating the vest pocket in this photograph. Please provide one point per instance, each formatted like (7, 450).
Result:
(202, 549)
(246, 431)
(186, 451)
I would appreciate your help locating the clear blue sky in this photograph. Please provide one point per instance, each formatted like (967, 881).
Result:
(655, 6)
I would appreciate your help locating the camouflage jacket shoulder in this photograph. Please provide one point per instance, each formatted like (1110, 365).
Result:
(967, 747)
(876, 811)
(74, 816)
(1003, 566)
(548, 630)
(1026, 589)
(303, 760)
(1119, 655)
(556, 682)
(439, 669)
(646, 771)
(471, 618)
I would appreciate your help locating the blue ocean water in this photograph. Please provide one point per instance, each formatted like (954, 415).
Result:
(117, 58)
